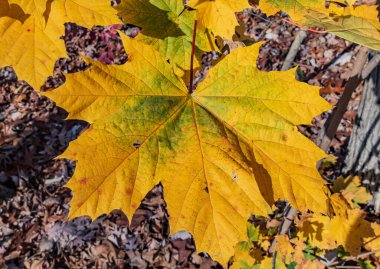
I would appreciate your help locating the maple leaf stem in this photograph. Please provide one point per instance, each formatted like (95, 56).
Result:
(303, 28)
(191, 87)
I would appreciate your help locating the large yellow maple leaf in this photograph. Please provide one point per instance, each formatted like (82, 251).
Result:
(359, 24)
(33, 45)
(223, 152)
(219, 15)
(36, 7)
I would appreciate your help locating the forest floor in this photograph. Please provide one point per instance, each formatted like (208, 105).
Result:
(34, 232)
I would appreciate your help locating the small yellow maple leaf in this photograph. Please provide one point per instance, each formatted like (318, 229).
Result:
(339, 205)
(299, 220)
(352, 190)
(368, 13)
(299, 247)
(310, 264)
(242, 256)
(284, 248)
(219, 15)
(290, 250)
(373, 243)
(38, 45)
(168, 26)
(268, 263)
(345, 229)
(265, 243)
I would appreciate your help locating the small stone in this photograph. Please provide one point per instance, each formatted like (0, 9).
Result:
(46, 245)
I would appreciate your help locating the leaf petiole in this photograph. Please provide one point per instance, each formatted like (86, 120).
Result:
(191, 86)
